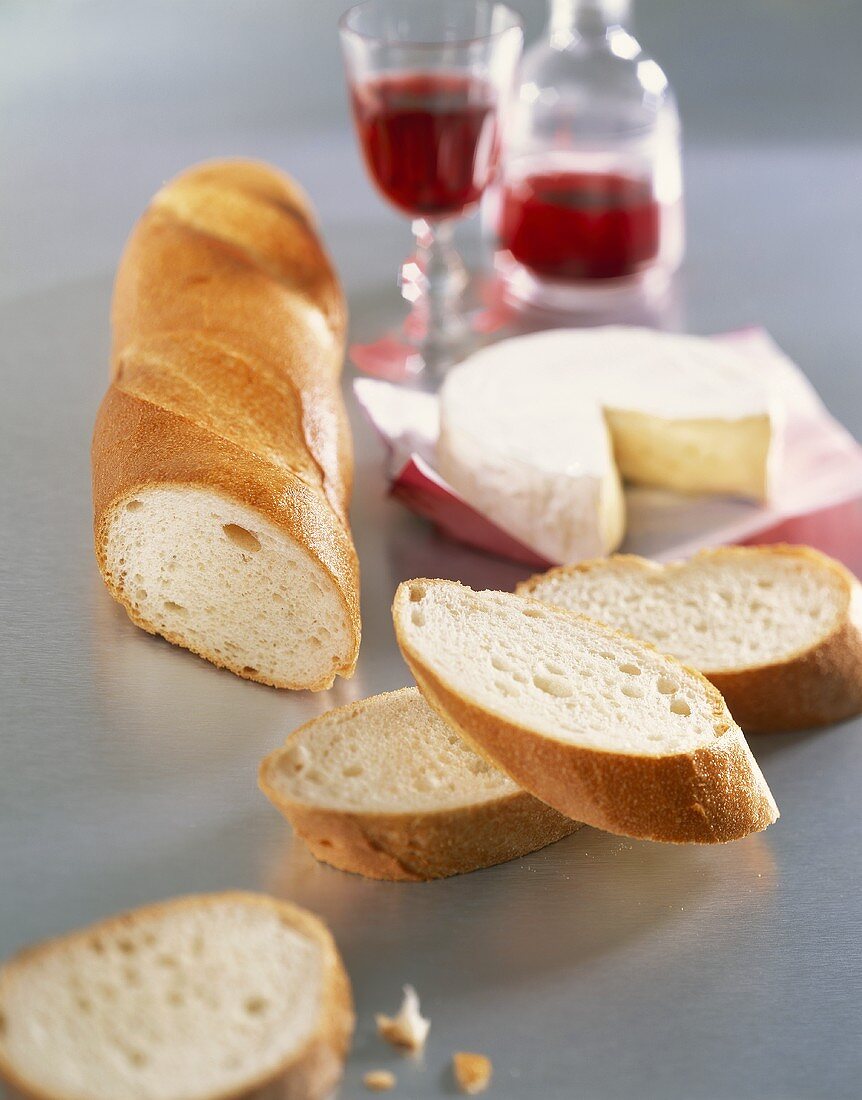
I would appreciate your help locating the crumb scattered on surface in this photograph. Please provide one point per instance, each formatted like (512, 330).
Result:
(472, 1072)
(409, 1029)
(379, 1080)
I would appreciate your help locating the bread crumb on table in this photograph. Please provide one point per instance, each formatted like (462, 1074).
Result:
(472, 1072)
(409, 1029)
(379, 1080)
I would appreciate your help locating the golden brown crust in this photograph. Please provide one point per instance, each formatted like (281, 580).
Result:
(309, 1074)
(711, 795)
(812, 689)
(143, 446)
(422, 845)
(472, 1072)
(815, 686)
(228, 337)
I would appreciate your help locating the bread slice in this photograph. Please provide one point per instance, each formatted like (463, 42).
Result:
(777, 629)
(200, 998)
(597, 724)
(537, 431)
(387, 789)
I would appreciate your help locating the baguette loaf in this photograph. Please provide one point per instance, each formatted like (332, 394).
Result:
(597, 724)
(387, 789)
(222, 461)
(217, 997)
(777, 629)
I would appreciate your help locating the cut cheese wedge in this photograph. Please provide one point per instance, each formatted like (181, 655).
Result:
(599, 725)
(537, 432)
(777, 629)
(387, 789)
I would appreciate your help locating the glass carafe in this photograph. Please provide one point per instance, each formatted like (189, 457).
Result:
(590, 199)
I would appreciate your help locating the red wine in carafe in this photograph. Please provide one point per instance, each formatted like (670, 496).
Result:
(577, 225)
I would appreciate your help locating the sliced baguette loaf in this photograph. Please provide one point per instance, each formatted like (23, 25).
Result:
(387, 789)
(201, 998)
(222, 462)
(777, 629)
(595, 723)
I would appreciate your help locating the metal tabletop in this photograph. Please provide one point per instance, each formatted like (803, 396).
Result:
(598, 968)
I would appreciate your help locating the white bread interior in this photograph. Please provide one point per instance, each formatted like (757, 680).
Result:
(565, 678)
(194, 999)
(599, 725)
(778, 629)
(388, 754)
(385, 788)
(727, 609)
(216, 576)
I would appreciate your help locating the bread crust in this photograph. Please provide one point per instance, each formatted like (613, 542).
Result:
(420, 845)
(712, 795)
(309, 1074)
(813, 686)
(228, 340)
(142, 446)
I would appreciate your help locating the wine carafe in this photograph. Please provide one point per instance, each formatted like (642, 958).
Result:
(590, 200)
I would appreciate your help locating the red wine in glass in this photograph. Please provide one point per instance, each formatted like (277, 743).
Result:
(580, 226)
(429, 139)
(426, 79)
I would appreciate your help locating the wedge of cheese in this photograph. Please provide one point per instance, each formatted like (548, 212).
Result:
(538, 432)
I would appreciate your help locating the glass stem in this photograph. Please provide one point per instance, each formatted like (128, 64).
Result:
(433, 280)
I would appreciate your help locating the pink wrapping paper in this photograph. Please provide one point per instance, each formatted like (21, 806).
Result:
(819, 475)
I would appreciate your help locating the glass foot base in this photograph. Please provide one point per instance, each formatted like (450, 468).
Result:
(388, 358)
(643, 290)
(406, 354)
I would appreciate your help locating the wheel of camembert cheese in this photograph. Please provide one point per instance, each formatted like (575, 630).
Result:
(538, 431)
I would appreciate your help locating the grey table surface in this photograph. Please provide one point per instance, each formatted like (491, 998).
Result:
(598, 968)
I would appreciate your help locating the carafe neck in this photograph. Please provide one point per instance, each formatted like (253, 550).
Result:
(586, 18)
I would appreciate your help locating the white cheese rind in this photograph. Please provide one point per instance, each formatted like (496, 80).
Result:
(529, 428)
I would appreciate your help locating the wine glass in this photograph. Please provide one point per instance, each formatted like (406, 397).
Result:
(428, 80)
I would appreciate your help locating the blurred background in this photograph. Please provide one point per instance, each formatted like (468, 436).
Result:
(104, 99)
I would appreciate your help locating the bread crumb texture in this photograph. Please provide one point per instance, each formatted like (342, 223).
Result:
(731, 608)
(566, 678)
(391, 753)
(219, 579)
(188, 999)
(409, 1029)
(472, 1072)
(379, 1080)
